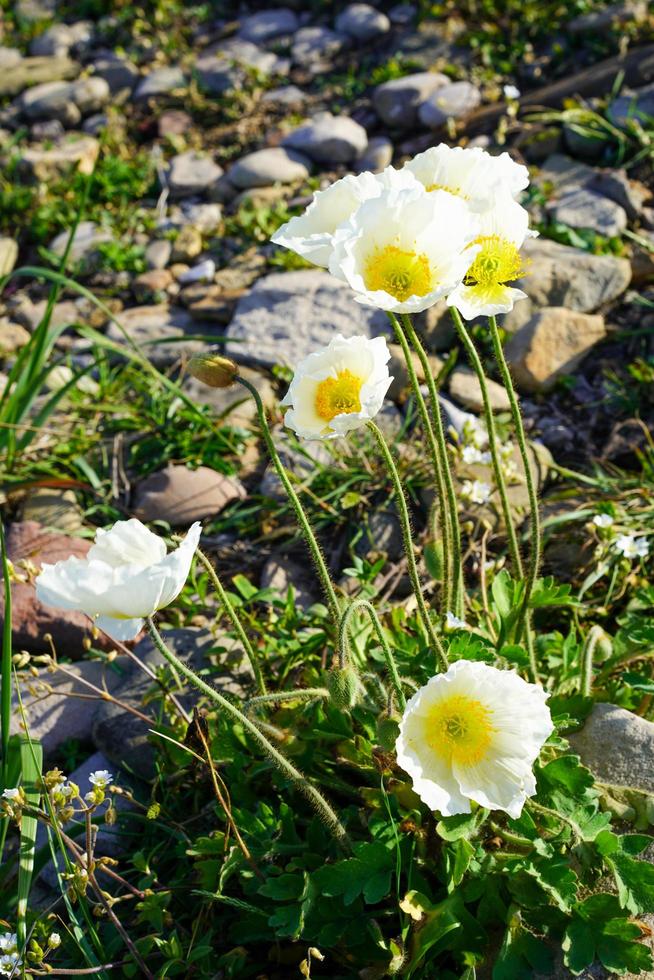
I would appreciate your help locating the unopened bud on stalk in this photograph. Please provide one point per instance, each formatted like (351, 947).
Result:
(213, 370)
(343, 685)
(388, 729)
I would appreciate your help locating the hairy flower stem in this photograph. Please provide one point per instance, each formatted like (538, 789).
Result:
(234, 620)
(277, 697)
(535, 535)
(450, 573)
(595, 634)
(344, 643)
(300, 513)
(457, 563)
(309, 791)
(405, 523)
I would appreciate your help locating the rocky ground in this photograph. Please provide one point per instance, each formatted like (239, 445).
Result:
(204, 132)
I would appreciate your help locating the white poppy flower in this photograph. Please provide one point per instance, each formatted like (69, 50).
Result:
(472, 174)
(311, 234)
(630, 546)
(473, 734)
(405, 249)
(602, 520)
(497, 261)
(125, 577)
(338, 388)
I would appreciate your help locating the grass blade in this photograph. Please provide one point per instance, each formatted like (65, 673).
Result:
(31, 755)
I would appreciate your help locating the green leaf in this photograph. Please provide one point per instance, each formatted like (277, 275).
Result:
(461, 825)
(433, 555)
(283, 888)
(579, 945)
(635, 881)
(568, 772)
(31, 755)
(502, 590)
(549, 592)
(367, 874)
(457, 861)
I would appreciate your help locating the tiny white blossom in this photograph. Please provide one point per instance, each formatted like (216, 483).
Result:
(630, 546)
(471, 454)
(476, 491)
(101, 778)
(63, 789)
(9, 963)
(54, 940)
(511, 92)
(453, 622)
(8, 942)
(602, 520)
(10, 794)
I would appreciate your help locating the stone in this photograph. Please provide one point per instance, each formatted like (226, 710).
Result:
(267, 25)
(302, 463)
(436, 327)
(362, 22)
(191, 173)
(120, 74)
(382, 534)
(51, 100)
(329, 139)
(151, 286)
(563, 276)
(153, 327)
(464, 387)
(160, 82)
(396, 102)
(64, 314)
(288, 97)
(270, 166)
(9, 58)
(398, 370)
(630, 106)
(402, 14)
(54, 714)
(31, 620)
(157, 254)
(35, 71)
(244, 270)
(582, 143)
(205, 217)
(314, 47)
(390, 420)
(12, 336)
(48, 130)
(188, 244)
(220, 69)
(50, 164)
(611, 17)
(642, 258)
(180, 495)
(583, 208)
(57, 40)
(286, 316)
(95, 124)
(54, 509)
(174, 122)
(202, 271)
(430, 43)
(378, 155)
(90, 94)
(552, 343)
(614, 184)
(211, 302)
(280, 574)
(8, 255)
(617, 746)
(234, 404)
(454, 101)
(35, 10)
(563, 172)
(86, 239)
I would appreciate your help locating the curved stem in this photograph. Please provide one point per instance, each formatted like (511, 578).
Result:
(595, 634)
(300, 513)
(276, 697)
(234, 620)
(457, 563)
(281, 762)
(405, 523)
(446, 526)
(344, 643)
(535, 556)
(471, 350)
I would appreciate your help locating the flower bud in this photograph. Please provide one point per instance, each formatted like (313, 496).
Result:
(343, 686)
(388, 730)
(213, 370)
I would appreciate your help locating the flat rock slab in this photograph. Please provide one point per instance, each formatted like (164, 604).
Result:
(552, 343)
(287, 316)
(34, 71)
(559, 275)
(465, 388)
(584, 208)
(618, 746)
(269, 24)
(180, 495)
(192, 173)
(78, 153)
(31, 620)
(454, 101)
(396, 102)
(269, 166)
(153, 328)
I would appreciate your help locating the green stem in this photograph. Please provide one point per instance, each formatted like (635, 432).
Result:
(447, 530)
(300, 513)
(442, 450)
(405, 523)
(281, 762)
(535, 556)
(235, 621)
(344, 643)
(471, 350)
(595, 634)
(275, 697)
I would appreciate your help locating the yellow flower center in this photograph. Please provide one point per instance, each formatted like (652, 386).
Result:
(460, 729)
(339, 395)
(450, 190)
(398, 272)
(497, 261)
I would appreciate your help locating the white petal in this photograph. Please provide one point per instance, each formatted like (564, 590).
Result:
(474, 301)
(119, 629)
(127, 543)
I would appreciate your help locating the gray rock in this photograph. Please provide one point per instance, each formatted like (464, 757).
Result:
(615, 184)
(571, 277)
(95, 124)
(44, 165)
(8, 255)
(583, 144)
(268, 24)
(455, 101)
(281, 573)
(618, 746)
(157, 254)
(303, 461)
(552, 343)
(58, 39)
(13, 337)
(9, 58)
(426, 45)
(396, 102)
(180, 495)
(90, 94)
(382, 534)
(192, 173)
(632, 106)
(35, 10)
(286, 316)
(153, 327)
(390, 420)
(286, 96)
(402, 14)
(269, 166)
(329, 139)
(378, 156)
(583, 208)
(564, 172)
(314, 47)
(48, 130)
(205, 217)
(234, 403)
(53, 508)
(36, 71)
(250, 56)
(51, 100)
(610, 17)
(220, 69)
(216, 74)
(464, 387)
(362, 22)
(159, 82)
(118, 73)
(85, 241)
(188, 244)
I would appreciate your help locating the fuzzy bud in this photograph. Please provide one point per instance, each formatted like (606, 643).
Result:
(213, 370)
(343, 686)
(388, 730)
